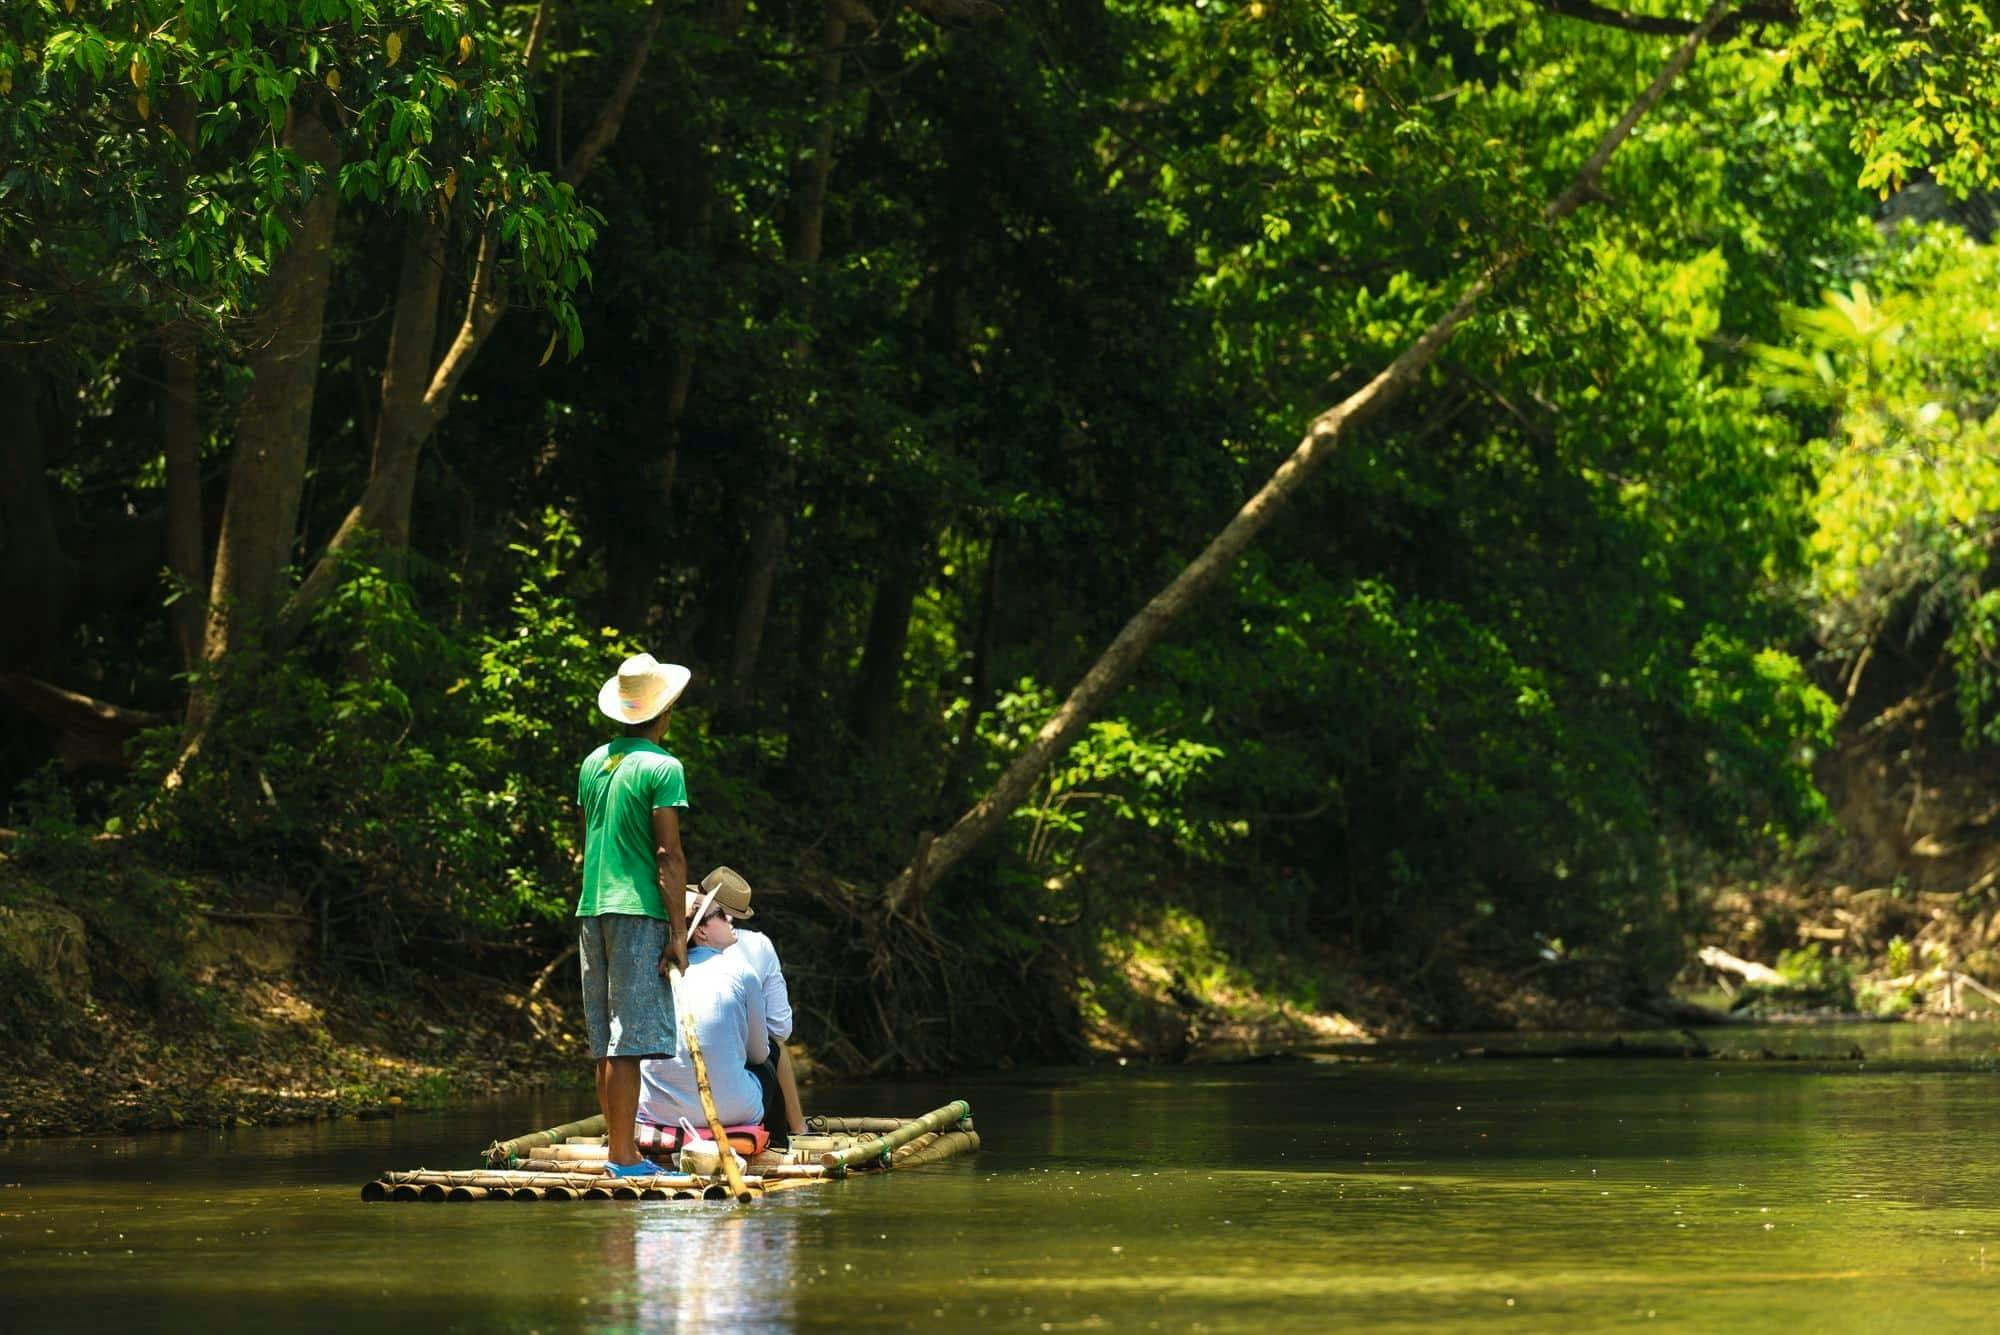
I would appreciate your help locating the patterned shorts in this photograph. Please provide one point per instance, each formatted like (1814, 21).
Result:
(628, 1009)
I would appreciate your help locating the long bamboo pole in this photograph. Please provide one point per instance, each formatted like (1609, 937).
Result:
(500, 1151)
(881, 1147)
(820, 1124)
(487, 1177)
(723, 1154)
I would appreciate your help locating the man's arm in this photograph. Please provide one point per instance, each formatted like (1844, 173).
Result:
(672, 866)
(757, 1041)
(777, 997)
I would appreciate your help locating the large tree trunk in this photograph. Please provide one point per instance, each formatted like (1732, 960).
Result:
(405, 376)
(980, 688)
(637, 510)
(804, 238)
(1110, 672)
(632, 563)
(36, 576)
(267, 472)
(180, 441)
(881, 667)
(806, 739)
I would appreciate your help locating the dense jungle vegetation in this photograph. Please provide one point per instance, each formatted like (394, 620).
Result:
(1498, 440)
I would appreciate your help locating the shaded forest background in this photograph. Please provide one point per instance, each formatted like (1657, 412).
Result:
(378, 374)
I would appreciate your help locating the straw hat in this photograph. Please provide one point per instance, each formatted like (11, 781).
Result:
(723, 886)
(642, 690)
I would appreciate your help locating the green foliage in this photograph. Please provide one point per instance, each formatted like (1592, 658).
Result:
(1923, 85)
(1901, 379)
(1116, 774)
(420, 769)
(148, 159)
(1812, 973)
(45, 813)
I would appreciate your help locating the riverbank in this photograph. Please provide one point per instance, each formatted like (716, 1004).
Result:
(276, 1050)
(132, 999)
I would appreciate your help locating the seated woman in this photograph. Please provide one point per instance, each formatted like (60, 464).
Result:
(754, 949)
(726, 1001)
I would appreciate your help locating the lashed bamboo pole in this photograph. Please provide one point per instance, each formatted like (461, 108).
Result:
(869, 1125)
(597, 1153)
(585, 1159)
(724, 1156)
(515, 1180)
(950, 1145)
(881, 1148)
(755, 1166)
(500, 1151)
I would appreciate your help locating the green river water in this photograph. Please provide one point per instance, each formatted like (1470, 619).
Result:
(1384, 1188)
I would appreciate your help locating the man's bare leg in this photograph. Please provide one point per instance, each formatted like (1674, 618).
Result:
(618, 1099)
(788, 1088)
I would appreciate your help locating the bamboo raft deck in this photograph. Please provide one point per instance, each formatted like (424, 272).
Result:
(567, 1163)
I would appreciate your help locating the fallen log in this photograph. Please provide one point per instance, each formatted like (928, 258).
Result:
(1763, 975)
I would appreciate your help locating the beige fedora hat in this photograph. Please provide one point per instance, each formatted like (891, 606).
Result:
(642, 690)
(725, 887)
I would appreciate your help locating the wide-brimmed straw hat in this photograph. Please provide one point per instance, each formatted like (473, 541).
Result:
(725, 887)
(642, 690)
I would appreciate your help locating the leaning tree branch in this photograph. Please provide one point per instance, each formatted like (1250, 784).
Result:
(1110, 672)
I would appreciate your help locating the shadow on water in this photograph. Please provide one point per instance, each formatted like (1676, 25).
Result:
(1400, 1187)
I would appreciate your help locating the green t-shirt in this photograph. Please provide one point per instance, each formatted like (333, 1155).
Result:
(618, 786)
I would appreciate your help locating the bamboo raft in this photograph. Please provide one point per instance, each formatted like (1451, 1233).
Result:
(567, 1163)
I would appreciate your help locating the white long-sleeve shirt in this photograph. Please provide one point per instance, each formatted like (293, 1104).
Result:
(727, 1002)
(756, 951)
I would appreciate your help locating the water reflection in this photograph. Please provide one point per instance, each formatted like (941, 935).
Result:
(707, 1267)
(1414, 1193)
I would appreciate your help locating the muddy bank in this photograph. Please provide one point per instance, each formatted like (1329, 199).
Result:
(271, 1050)
(134, 1000)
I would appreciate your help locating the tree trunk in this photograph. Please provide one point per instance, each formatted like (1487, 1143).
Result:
(1110, 672)
(636, 506)
(980, 687)
(760, 577)
(405, 376)
(805, 733)
(632, 562)
(36, 576)
(804, 237)
(180, 440)
(881, 668)
(267, 473)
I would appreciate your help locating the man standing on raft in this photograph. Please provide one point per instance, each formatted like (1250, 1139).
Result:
(630, 930)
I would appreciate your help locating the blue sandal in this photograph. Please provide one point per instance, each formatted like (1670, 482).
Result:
(643, 1168)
